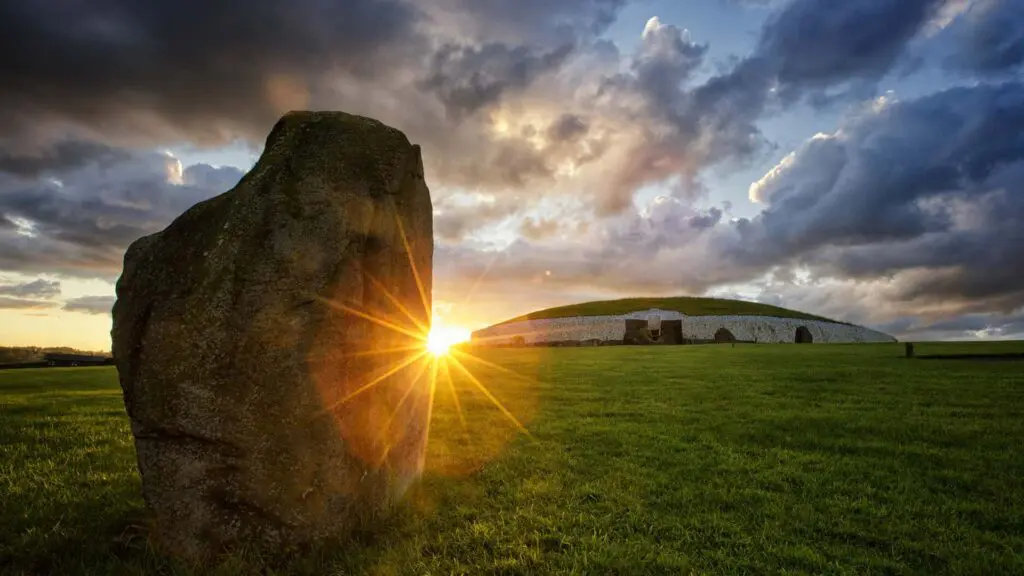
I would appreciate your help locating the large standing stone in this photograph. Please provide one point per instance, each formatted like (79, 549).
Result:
(240, 338)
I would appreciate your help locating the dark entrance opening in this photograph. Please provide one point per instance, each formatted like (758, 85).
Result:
(636, 332)
(803, 336)
(671, 331)
(723, 335)
(640, 332)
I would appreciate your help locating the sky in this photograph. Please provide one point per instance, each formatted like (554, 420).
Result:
(861, 160)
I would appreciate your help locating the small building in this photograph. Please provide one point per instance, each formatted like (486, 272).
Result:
(76, 360)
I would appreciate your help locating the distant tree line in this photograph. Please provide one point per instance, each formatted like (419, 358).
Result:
(25, 354)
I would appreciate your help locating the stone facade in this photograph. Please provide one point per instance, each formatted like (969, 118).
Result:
(763, 329)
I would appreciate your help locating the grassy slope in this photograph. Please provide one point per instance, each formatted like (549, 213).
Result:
(692, 306)
(816, 459)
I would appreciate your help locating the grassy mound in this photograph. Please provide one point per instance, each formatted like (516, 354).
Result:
(689, 305)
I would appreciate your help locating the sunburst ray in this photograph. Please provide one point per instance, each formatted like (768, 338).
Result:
(480, 386)
(398, 304)
(398, 407)
(380, 351)
(490, 364)
(394, 369)
(372, 318)
(412, 265)
(455, 394)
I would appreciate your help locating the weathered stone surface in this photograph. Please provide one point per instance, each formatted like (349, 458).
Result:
(239, 345)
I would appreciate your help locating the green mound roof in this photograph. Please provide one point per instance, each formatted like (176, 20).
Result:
(691, 306)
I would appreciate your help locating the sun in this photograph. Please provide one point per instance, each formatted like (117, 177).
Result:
(441, 338)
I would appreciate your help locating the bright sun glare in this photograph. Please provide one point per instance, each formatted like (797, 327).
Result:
(441, 338)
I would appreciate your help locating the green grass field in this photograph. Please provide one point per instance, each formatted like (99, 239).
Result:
(824, 459)
(689, 305)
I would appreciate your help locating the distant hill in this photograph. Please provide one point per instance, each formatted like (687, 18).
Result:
(26, 354)
(689, 305)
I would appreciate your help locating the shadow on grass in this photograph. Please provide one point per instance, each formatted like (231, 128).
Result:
(120, 545)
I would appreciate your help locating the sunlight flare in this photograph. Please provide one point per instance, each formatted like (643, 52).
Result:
(441, 338)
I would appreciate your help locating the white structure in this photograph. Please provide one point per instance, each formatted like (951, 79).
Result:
(766, 329)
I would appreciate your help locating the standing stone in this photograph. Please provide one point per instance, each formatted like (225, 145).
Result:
(268, 409)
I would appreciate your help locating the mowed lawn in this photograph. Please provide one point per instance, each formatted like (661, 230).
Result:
(823, 459)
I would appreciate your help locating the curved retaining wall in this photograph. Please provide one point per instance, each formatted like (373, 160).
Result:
(767, 329)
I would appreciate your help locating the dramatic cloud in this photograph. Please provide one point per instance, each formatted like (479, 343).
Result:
(538, 132)
(816, 44)
(989, 38)
(468, 78)
(36, 289)
(929, 193)
(78, 220)
(966, 327)
(670, 249)
(506, 97)
(456, 216)
(131, 74)
(807, 50)
(193, 69)
(847, 231)
(527, 21)
(62, 155)
(99, 305)
(29, 295)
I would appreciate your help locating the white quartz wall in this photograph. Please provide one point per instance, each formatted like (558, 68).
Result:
(766, 329)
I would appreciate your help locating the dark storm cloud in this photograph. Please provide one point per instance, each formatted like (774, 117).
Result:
(192, 67)
(100, 305)
(822, 43)
(468, 78)
(530, 21)
(35, 289)
(934, 183)
(1006, 326)
(80, 220)
(989, 38)
(61, 155)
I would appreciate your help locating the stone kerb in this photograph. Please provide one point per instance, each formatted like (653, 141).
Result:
(767, 329)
